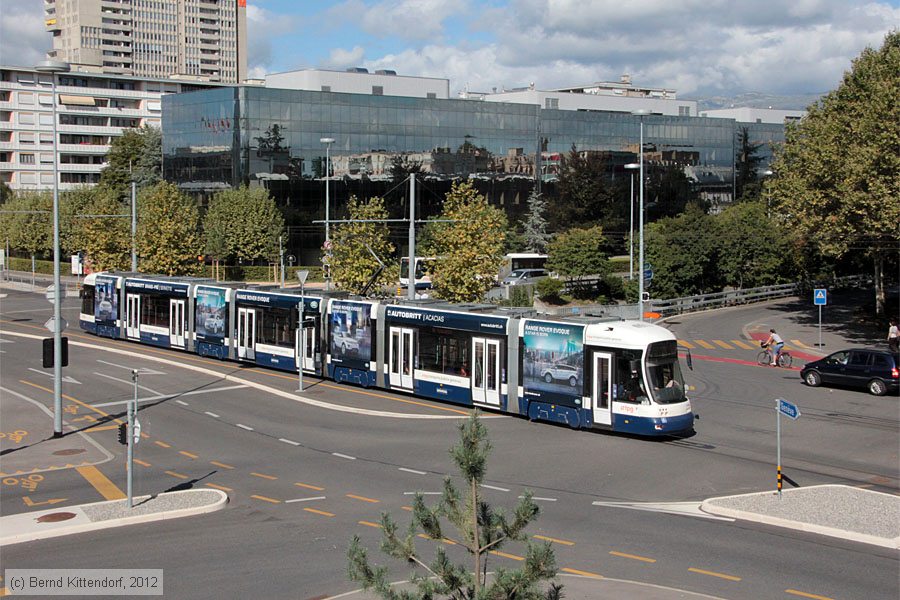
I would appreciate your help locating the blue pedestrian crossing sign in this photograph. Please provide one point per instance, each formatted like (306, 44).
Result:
(787, 409)
(820, 296)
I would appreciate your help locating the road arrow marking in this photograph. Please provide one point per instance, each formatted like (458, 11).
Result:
(28, 501)
(686, 509)
(141, 371)
(66, 378)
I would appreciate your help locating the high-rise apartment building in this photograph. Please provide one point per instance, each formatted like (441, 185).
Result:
(152, 38)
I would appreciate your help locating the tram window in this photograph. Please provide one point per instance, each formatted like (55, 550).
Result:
(276, 327)
(629, 380)
(87, 300)
(444, 351)
(155, 311)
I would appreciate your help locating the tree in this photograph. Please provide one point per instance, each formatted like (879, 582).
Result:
(28, 219)
(584, 194)
(835, 178)
(578, 254)
(353, 245)
(481, 530)
(106, 241)
(668, 192)
(168, 239)
(754, 249)
(136, 155)
(468, 247)
(243, 224)
(683, 254)
(5, 192)
(536, 236)
(746, 171)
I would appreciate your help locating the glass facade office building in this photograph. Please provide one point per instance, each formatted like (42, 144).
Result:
(251, 135)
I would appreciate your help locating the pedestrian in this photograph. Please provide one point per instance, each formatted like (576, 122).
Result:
(893, 338)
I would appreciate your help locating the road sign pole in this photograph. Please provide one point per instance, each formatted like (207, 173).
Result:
(132, 409)
(820, 326)
(778, 445)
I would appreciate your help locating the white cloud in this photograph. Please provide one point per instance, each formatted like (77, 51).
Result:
(23, 40)
(263, 27)
(341, 59)
(407, 19)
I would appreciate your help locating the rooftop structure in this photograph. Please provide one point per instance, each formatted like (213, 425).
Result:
(358, 80)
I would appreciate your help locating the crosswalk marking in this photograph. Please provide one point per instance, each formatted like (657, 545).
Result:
(705, 344)
(801, 344)
(741, 344)
(687, 345)
(723, 344)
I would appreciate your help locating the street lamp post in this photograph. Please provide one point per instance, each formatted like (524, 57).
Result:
(631, 167)
(54, 67)
(328, 142)
(641, 113)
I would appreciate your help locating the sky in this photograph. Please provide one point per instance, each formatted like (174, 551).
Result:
(700, 48)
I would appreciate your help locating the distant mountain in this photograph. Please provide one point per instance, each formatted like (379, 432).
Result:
(757, 100)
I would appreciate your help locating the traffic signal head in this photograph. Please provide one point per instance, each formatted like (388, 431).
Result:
(123, 434)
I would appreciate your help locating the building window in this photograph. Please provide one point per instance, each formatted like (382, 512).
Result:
(26, 98)
(26, 138)
(26, 119)
(46, 158)
(377, 90)
(326, 88)
(551, 103)
(684, 111)
(26, 159)
(431, 96)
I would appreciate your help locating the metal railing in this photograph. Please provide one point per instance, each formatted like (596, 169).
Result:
(37, 282)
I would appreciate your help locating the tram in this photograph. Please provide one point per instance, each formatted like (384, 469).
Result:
(584, 372)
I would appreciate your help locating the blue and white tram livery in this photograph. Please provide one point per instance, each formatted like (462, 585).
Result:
(157, 311)
(352, 341)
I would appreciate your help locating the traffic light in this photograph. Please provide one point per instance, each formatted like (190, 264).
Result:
(123, 434)
(47, 352)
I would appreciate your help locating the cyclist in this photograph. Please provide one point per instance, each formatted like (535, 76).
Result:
(774, 344)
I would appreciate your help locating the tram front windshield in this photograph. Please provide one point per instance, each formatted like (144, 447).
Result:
(666, 381)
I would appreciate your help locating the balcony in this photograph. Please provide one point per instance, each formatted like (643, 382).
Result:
(83, 149)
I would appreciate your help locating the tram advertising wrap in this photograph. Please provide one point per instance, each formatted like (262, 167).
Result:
(351, 334)
(106, 302)
(553, 362)
(210, 320)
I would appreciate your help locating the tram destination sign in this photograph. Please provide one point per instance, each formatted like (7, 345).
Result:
(451, 320)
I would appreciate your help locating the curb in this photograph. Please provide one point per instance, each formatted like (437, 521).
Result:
(61, 530)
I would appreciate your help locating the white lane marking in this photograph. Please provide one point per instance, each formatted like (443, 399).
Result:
(687, 509)
(141, 370)
(65, 378)
(170, 396)
(291, 442)
(244, 427)
(182, 402)
(539, 498)
(304, 499)
(423, 493)
(259, 386)
(493, 487)
(339, 455)
(129, 382)
(412, 471)
(212, 414)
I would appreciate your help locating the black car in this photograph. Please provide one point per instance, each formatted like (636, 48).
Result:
(876, 370)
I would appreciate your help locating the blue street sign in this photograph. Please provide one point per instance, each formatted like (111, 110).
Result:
(648, 274)
(787, 409)
(820, 296)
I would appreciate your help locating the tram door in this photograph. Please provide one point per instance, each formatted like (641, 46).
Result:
(401, 357)
(602, 389)
(133, 316)
(246, 333)
(306, 346)
(486, 371)
(176, 323)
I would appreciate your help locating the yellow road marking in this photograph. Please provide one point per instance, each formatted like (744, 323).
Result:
(407, 508)
(178, 475)
(741, 344)
(505, 555)
(634, 556)
(687, 345)
(723, 344)
(218, 464)
(4, 592)
(585, 573)
(369, 524)
(425, 536)
(101, 428)
(219, 487)
(188, 454)
(162, 444)
(319, 512)
(309, 487)
(142, 463)
(363, 498)
(263, 476)
(266, 499)
(714, 574)
(101, 483)
(75, 400)
(550, 539)
(705, 344)
(806, 595)
(801, 345)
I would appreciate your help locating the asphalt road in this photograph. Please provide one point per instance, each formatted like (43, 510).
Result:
(307, 472)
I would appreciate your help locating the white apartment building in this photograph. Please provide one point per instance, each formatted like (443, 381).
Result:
(152, 38)
(92, 109)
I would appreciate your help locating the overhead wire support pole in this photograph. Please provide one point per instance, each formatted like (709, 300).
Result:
(411, 285)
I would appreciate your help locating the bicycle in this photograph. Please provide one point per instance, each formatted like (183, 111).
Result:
(785, 359)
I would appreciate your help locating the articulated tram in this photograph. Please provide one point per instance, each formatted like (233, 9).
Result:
(588, 373)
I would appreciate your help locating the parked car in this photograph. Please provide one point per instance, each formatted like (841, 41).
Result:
(524, 276)
(214, 324)
(876, 370)
(561, 373)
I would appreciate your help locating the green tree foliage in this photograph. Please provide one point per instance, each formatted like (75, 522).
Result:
(168, 238)
(667, 192)
(106, 241)
(242, 224)
(73, 206)
(683, 253)
(753, 248)
(584, 194)
(480, 529)
(536, 235)
(747, 162)
(578, 254)
(136, 154)
(353, 244)
(837, 177)
(468, 247)
(28, 222)
(5, 192)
